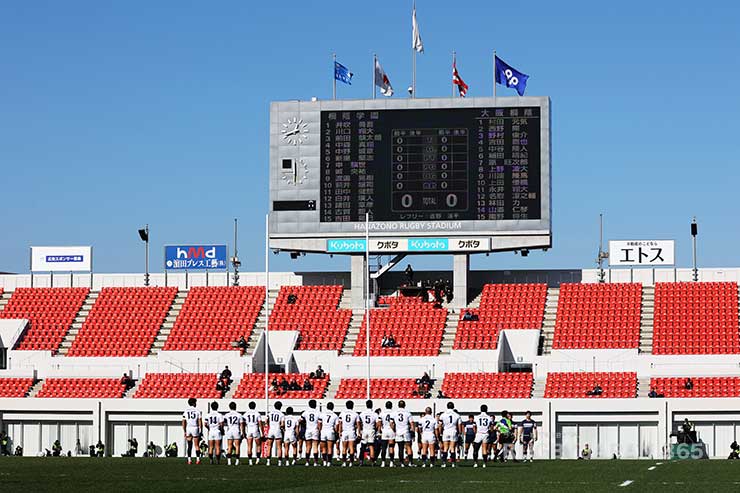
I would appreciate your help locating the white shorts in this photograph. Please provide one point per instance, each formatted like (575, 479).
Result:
(387, 435)
(252, 433)
(449, 436)
(214, 434)
(328, 436)
(403, 436)
(368, 436)
(233, 434)
(349, 436)
(428, 437)
(481, 438)
(275, 434)
(312, 434)
(192, 431)
(290, 439)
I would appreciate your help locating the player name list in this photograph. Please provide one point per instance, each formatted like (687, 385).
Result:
(440, 164)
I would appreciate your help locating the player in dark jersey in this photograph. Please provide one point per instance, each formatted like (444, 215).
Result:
(469, 428)
(527, 436)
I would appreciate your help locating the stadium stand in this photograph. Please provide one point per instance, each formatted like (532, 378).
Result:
(598, 316)
(15, 387)
(178, 386)
(572, 385)
(702, 386)
(416, 326)
(212, 318)
(487, 385)
(50, 311)
(123, 322)
(98, 388)
(314, 313)
(380, 388)
(696, 318)
(252, 386)
(502, 306)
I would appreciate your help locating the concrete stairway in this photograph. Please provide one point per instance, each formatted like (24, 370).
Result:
(475, 303)
(35, 388)
(646, 319)
(548, 325)
(85, 309)
(4, 298)
(169, 322)
(259, 327)
(353, 333)
(450, 331)
(643, 386)
(538, 387)
(331, 389)
(130, 392)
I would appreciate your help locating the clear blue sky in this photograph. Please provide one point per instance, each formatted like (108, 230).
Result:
(114, 114)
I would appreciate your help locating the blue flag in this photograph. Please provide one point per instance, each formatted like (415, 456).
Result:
(510, 77)
(342, 73)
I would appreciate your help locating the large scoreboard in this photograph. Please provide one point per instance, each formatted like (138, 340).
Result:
(436, 175)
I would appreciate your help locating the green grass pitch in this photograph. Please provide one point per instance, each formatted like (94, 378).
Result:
(117, 474)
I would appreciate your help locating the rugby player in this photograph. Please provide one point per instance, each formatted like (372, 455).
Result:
(275, 421)
(469, 429)
(427, 428)
(349, 424)
(369, 422)
(451, 428)
(482, 427)
(234, 423)
(505, 437)
(192, 424)
(290, 436)
(404, 434)
(252, 432)
(527, 436)
(387, 433)
(214, 421)
(312, 423)
(328, 434)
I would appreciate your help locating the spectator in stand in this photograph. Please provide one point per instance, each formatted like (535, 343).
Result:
(292, 298)
(320, 373)
(384, 341)
(127, 381)
(221, 388)
(409, 275)
(242, 345)
(294, 385)
(391, 342)
(653, 393)
(274, 387)
(440, 395)
(226, 375)
(596, 391)
(284, 385)
(688, 384)
(307, 385)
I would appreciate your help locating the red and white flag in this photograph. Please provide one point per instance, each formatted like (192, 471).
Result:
(462, 87)
(382, 81)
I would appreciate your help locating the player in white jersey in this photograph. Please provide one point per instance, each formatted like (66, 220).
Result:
(311, 419)
(290, 438)
(192, 424)
(349, 424)
(214, 421)
(329, 423)
(387, 433)
(234, 424)
(451, 428)
(404, 434)
(482, 427)
(370, 423)
(427, 428)
(252, 432)
(275, 421)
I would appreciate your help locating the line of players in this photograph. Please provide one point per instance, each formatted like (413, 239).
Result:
(378, 432)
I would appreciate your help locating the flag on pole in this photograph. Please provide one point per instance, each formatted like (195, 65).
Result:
(382, 81)
(462, 87)
(416, 43)
(510, 77)
(342, 73)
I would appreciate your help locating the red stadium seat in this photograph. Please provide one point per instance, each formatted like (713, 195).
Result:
(674, 387)
(82, 388)
(178, 386)
(15, 387)
(380, 388)
(252, 386)
(572, 385)
(487, 385)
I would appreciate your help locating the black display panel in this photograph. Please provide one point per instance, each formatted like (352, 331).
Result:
(431, 164)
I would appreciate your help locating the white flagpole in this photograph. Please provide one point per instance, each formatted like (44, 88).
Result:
(494, 76)
(375, 62)
(267, 313)
(334, 76)
(413, 61)
(367, 298)
(453, 73)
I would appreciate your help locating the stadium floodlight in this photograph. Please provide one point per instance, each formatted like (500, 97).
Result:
(144, 235)
(694, 232)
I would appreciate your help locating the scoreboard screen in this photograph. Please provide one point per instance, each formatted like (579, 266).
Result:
(430, 164)
(432, 175)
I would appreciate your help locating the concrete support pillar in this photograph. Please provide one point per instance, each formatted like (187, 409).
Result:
(357, 281)
(460, 269)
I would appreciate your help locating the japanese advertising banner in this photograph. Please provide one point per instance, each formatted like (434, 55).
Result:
(648, 253)
(61, 259)
(195, 257)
